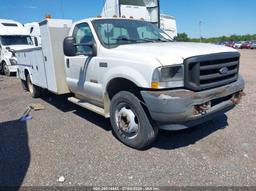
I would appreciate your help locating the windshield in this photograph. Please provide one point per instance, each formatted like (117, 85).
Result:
(116, 32)
(132, 2)
(16, 40)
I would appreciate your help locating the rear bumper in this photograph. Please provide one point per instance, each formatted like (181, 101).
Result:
(178, 109)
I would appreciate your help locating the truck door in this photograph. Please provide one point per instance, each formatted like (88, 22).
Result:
(80, 69)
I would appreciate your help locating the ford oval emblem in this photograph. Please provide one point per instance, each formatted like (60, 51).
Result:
(223, 70)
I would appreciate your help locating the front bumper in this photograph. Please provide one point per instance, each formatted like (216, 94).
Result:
(178, 109)
(12, 68)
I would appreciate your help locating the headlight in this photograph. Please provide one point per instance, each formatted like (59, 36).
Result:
(168, 77)
(13, 61)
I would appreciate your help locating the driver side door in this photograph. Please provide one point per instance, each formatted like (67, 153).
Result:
(80, 68)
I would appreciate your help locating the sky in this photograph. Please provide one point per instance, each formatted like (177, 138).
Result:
(218, 17)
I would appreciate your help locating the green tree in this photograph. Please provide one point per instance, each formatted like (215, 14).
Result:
(182, 37)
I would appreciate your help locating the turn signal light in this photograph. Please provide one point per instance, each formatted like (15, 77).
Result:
(155, 85)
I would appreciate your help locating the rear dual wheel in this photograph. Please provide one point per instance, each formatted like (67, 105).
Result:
(24, 85)
(34, 90)
(130, 122)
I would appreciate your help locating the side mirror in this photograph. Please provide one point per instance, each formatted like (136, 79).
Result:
(36, 41)
(69, 46)
(11, 50)
(91, 45)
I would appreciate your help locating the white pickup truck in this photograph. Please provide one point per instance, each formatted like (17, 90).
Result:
(126, 70)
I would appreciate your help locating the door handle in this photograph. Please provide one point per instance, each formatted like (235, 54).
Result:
(67, 62)
(103, 64)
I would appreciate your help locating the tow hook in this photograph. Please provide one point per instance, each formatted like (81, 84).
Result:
(203, 108)
(238, 97)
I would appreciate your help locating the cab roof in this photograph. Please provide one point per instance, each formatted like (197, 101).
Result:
(11, 27)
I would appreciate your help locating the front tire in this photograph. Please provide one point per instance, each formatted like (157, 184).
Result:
(6, 70)
(33, 89)
(130, 122)
(1, 68)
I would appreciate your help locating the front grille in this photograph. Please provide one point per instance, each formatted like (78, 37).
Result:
(210, 71)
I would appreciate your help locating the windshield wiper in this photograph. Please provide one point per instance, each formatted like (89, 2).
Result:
(141, 40)
(133, 40)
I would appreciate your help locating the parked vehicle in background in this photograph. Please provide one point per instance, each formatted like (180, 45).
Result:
(238, 44)
(13, 36)
(148, 10)
(253, 44)
(168, 25)
(220, 43)
(230, 44)
(246, 45)
(126, 70)
(34, 31)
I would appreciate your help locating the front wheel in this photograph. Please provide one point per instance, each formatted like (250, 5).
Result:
(1, 68)
(33, 89)
(130, 122)
(6, 70)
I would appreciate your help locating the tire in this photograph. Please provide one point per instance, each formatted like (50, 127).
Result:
(129, 121)
(1, 68)
(24, 85)
(33, 89)
(6, 70)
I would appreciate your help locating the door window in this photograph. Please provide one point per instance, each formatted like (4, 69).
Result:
(83, 35)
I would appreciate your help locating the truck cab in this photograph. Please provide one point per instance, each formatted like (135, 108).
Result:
(34, 30)
(13, 36)
(129, 71)
(148, 10)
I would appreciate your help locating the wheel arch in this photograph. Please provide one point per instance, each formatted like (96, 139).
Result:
(26, 73)
(117, 85)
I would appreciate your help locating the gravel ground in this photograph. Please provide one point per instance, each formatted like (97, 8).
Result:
(66, 140)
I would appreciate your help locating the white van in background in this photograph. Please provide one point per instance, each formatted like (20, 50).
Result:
(34, 31)
(148, 10)
(13, 37)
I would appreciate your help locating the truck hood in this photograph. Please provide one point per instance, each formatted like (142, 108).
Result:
(168, 53)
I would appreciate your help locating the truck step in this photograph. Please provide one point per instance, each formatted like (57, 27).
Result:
(87, 105)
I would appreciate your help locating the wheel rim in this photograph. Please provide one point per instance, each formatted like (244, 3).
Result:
(30, 86)
(126, 121)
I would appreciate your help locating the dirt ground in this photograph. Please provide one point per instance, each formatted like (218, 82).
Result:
(66, 140)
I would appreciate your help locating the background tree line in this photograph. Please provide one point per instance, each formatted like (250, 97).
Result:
(183, 37)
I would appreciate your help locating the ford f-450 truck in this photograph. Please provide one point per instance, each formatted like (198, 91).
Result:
(129, 71)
